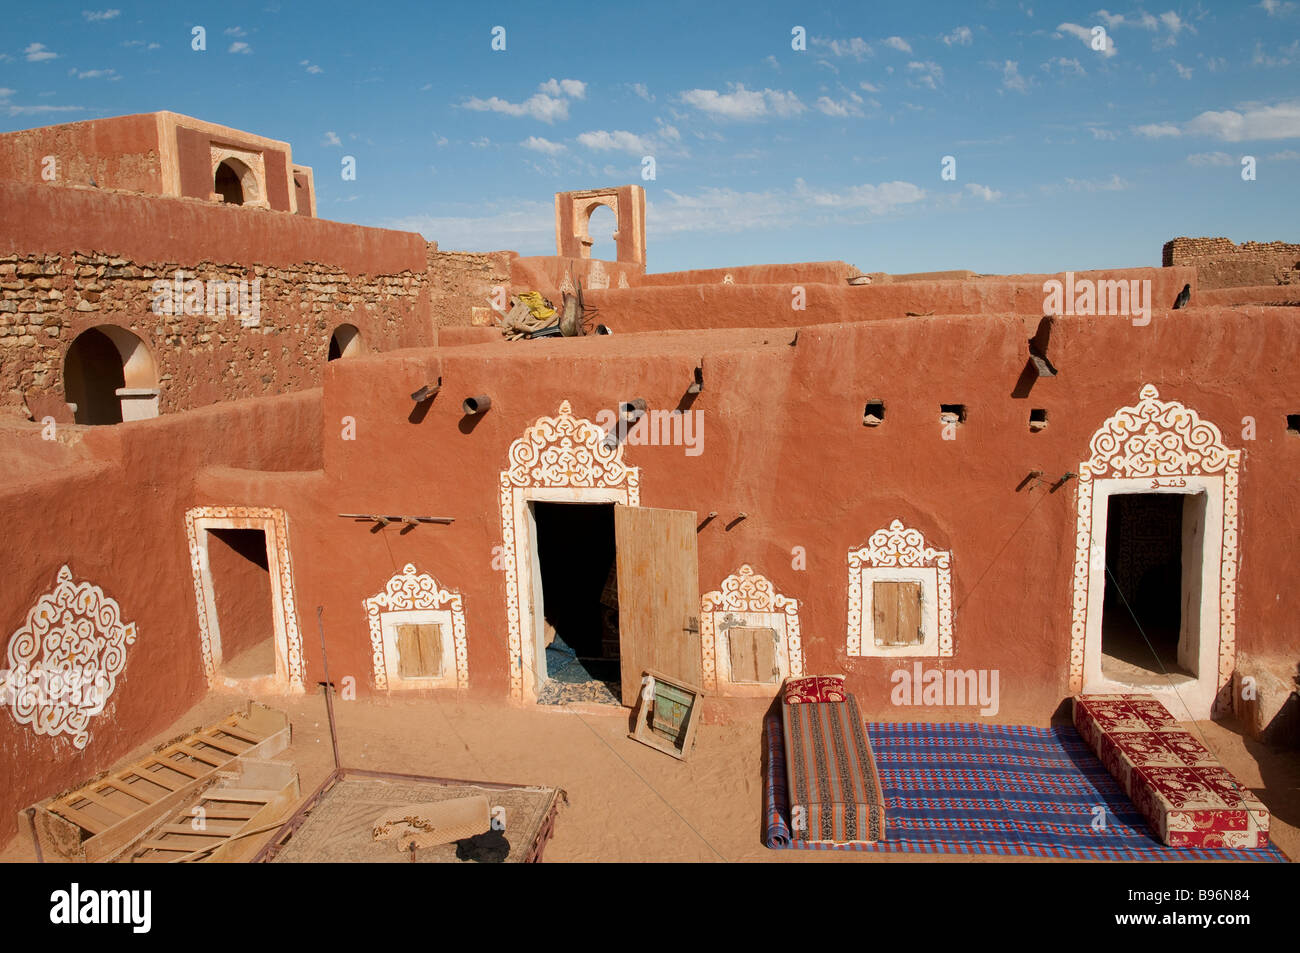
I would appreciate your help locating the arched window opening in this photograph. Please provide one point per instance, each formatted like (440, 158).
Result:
(228, 184)
(601, 226)
(345, 342)
(109, 376)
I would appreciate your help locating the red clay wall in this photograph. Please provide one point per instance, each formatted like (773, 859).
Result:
(809, 272)
(771, 305)
(71, 259)
(118, 153)
(784, 443)
(119, 522)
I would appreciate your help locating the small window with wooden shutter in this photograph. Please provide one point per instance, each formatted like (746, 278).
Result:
(753, 655)
(419, 650)
(896, 613)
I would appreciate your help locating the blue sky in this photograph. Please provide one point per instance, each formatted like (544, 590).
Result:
(1066, 156)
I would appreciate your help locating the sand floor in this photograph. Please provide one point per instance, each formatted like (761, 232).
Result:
(627, 802)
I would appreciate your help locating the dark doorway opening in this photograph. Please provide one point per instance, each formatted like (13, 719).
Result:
(576, 554)
(241, 584)
(92, 373)
(1142, 613)
(228, 186)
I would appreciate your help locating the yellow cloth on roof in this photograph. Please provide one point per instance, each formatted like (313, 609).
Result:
(536, 304)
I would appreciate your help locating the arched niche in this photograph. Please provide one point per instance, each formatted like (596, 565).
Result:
(109, 376)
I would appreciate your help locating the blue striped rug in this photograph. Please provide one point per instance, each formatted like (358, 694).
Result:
(992, 789)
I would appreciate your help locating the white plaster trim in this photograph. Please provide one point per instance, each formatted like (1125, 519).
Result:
(1159, 446)
(72, 632)
(411, 596)
(562, 458)
(254, 183)
(897, 553)
(288, 636)
(747, 598)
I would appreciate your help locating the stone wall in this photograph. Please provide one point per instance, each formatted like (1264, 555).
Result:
(47, 300)
(461, 283)
(1221, 263)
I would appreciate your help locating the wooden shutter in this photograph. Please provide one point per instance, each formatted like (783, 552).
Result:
(896, 613)
(419, 650)
(753, 654)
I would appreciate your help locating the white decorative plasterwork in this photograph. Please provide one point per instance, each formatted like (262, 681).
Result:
(64, 661)
(1158, 445)
(747, 593)
(410, 591)
(288, 636)
(561, 458)
(899, 548)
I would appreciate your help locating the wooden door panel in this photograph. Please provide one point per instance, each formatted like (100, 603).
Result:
(658, 595)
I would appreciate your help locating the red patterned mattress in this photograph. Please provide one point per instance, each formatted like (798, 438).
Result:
(1186, 795)
(834, 790)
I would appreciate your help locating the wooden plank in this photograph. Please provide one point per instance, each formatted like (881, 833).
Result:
(175, 847)
(408, 652)
(241, 733)
(133, 790)
(658, 596)
(224, 744)
(118, 809)
(210, 829)
(153, 778)
(238, 794)
(884, 612)
(429, 636)
(766, 669)
(909, 613)
(186, 767)
(80, 818)
(207, 756)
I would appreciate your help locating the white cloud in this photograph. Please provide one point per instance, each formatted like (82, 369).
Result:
(928, 74)
(772, 61)
(94, 74)
(1102, 134)
(1288, 55)
(311, 67)
(1011, 78)
(236, 31)
(742, 103)
(538, 144)
(1158, 130)
(96, 16)
(572, 88)
(842, 108)
(1184, 72)
(869, 87)
(331, 139)
(961, 36)
(617, 141)
(1216, 63)
(983, 192)
(898, 43)
(1067, 66)
(239, 46)
(1260, 122)
(640, 90)
(540, 106)
(1211, 158)
(1113, 184)
(1286, 155)
(1084, 35)
(482, 142)
(1277, 8)
(855, 47)
(668, 132)
(36, 52)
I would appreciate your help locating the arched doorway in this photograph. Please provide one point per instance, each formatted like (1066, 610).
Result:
(229, 181)
(345, 342)
(109, 376)
(602, 228)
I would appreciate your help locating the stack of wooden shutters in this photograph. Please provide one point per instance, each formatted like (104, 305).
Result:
(896, 612)
(419, 650)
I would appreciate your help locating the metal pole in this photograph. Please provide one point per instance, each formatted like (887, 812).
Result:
(329, 700)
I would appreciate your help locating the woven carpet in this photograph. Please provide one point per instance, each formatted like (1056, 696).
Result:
(991, 789)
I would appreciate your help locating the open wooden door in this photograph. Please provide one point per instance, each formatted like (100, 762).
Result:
(658, 595)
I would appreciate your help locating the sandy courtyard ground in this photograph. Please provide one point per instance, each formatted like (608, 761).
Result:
(627, 802)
